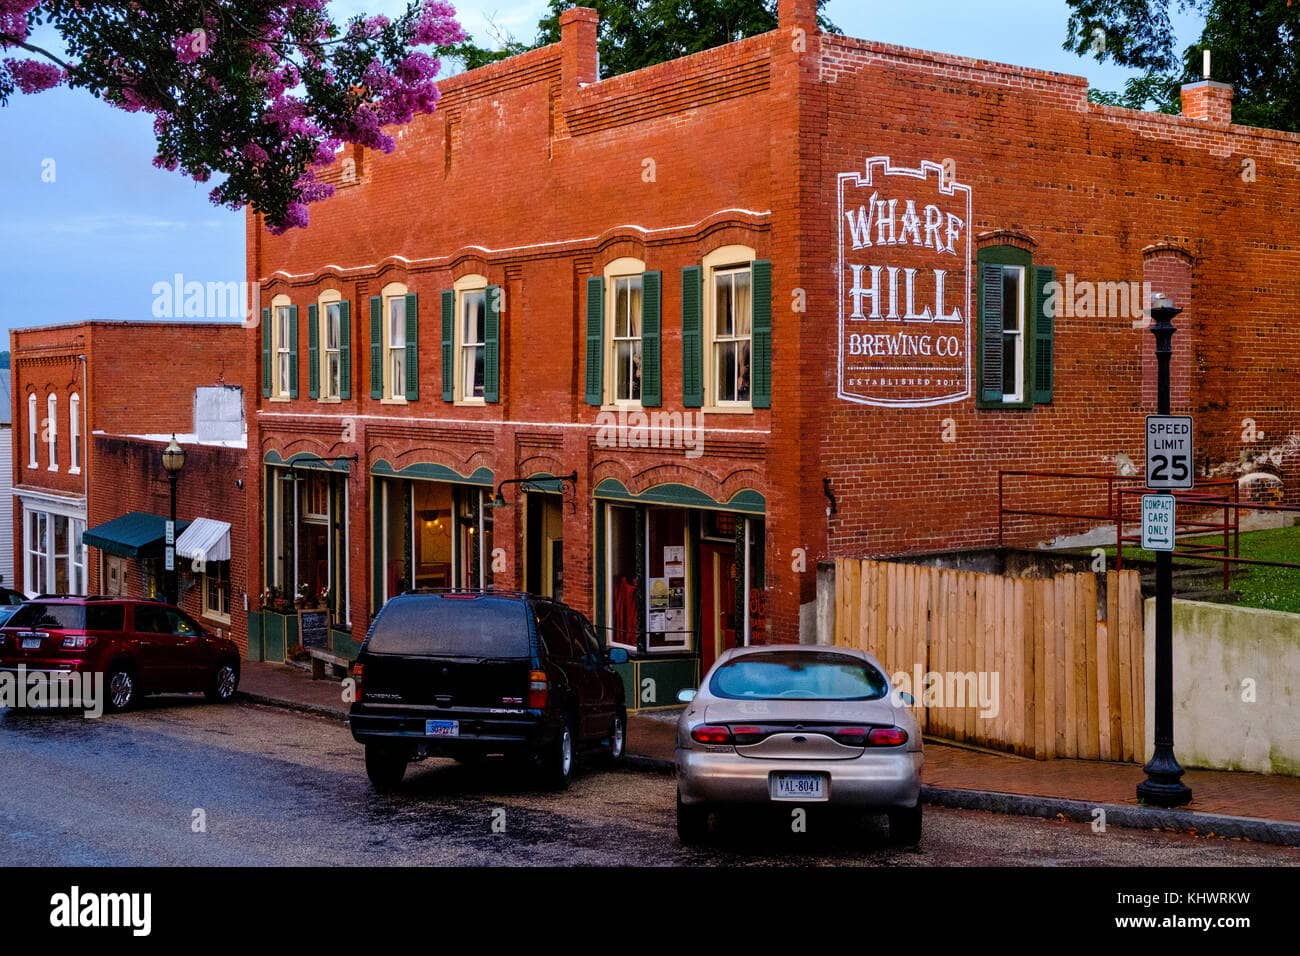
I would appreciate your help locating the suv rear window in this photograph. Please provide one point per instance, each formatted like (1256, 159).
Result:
(69, 617)
(789, 675)
(451, 627)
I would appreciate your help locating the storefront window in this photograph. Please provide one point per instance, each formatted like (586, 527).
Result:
(668, 625)
(623, 625)
(310, 526)
(55, 558)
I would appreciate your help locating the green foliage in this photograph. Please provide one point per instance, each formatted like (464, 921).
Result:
(640, 33)
(1254, 46)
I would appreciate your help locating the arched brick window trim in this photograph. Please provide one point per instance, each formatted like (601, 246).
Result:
(1006, 237)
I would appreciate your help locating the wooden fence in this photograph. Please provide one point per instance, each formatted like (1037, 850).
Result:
(1069, 679)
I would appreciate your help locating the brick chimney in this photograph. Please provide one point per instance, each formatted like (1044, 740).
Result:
(1208, 101)
(578, 64)
(797, 13)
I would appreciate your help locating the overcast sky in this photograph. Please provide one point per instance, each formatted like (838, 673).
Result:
(92, 243)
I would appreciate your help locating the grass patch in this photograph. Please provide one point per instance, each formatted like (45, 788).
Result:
(1274, 589)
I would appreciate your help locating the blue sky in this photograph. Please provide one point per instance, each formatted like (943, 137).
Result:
(93, 242)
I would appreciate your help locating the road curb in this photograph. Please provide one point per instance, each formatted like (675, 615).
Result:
(649, 764)
(314, 710)
(1132, 817)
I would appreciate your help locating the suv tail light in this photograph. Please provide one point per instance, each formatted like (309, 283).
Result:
(887, 736)
(358, 672)
(539, 690)
(77, 642)
(711, 734)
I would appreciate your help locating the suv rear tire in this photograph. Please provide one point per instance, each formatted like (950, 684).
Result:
(120, 689)
(559, 757)
(385, 767)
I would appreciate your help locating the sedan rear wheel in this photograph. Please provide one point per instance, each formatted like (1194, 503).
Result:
(121, 689)
(905, 826)
(692, 822)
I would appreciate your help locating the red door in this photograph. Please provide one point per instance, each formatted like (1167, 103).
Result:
(717, 601)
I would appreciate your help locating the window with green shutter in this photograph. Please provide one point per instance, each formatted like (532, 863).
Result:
(761, 345)
(1007, 332)
(651, 336)
(268, 365)
(594, 380)
(345, 349)
(448, 343)
(692, 337)
(412, 346)
(376, 346)
(313, 351)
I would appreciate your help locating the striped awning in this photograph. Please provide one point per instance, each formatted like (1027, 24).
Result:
(205, 539)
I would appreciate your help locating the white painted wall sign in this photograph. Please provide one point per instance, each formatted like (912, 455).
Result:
(904, 286)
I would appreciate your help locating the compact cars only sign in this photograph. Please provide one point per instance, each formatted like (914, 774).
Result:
(904, 286)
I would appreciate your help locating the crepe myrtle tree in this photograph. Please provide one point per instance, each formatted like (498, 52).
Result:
(260, 92)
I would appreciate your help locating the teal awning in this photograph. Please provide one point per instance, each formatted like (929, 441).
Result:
(131, 534)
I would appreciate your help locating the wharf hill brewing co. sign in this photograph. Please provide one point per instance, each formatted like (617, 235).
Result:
(905, 286)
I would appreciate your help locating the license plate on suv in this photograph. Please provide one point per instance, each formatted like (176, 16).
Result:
(798, 786)
(442, 728)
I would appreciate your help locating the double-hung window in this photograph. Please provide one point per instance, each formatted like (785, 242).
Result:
(471, 342)
(395, 372)
(52, 429)
(74, 433)
(333, 351)
(283, 350)
(733, 304)
(1016, 329)
(625, 339)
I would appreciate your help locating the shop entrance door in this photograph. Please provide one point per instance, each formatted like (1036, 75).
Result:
(717, 601)
(544, 546)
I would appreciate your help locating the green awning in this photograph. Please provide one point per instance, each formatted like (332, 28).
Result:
(131, 534)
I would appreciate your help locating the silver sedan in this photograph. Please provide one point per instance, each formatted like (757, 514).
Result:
(800, 725)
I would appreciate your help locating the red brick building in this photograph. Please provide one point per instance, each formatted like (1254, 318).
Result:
(796, 297)
(95, 404)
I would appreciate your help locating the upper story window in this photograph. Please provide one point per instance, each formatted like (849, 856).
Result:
(280, 349)
(329, 346)
(727, 331)
(31, 430)
(394, 345)
(625, 339)
(623, 335)
(1016, 329)
(52, 429)
(74, 433)
(471, 341)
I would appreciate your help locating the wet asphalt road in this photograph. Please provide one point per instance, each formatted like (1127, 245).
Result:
(279, 788)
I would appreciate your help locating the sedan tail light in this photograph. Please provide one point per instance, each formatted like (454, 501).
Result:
(851, 736)
(358, 673)
(539, 690)
(77, 642)
(711, 734)
(887, 736)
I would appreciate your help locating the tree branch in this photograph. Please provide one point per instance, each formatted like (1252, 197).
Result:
(9, 41)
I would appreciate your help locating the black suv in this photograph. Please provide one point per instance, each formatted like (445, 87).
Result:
(465, 674)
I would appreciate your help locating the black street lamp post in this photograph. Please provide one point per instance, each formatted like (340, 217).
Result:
(1163, 786)
(173, 459)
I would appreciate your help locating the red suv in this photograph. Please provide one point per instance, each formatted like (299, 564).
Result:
(141, 647)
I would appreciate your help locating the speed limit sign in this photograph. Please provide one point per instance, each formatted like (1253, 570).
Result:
(1169, 451)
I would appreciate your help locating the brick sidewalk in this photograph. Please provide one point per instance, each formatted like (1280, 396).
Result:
(1262, 796)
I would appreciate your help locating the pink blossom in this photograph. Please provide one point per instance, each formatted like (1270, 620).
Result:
(254, 153)
(33, 76)
(437, 25)
(191, 47)
(13, 18)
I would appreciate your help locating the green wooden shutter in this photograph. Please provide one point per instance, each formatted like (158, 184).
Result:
(492, 346)
(448, 345)
(990, 337)
(345, 349)
(293, 351)
(760, 350)
(595, 381)
(1044, 335)
(692, 337)
(412, 347)
(313, 351)
(651, 336)
(376, 346)
(267, 368)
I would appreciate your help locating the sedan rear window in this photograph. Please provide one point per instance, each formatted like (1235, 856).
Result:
(69, 617)
(451, 627)
(791, 675)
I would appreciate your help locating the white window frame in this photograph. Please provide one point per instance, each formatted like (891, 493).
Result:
(1018, 352)
(463, 287)
(330, 389)
(74, 434)
(621, 270)
(51, 425)
(31, 430)
(281, 347)
(723, 261)
(394, 356)
(39, 549)
(210, 579)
